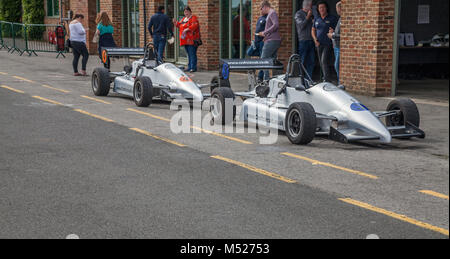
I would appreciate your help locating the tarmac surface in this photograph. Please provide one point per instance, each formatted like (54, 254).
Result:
(70, 163)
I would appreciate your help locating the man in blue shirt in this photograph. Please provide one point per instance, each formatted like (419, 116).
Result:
(322, 24)
(158, 27)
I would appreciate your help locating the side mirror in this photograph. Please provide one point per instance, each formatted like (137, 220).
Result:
(342, 87)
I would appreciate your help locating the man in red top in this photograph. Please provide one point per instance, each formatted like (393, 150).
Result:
(189, 28)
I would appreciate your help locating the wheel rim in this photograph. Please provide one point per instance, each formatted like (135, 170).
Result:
(95, 82)
(216, 107)
(294, 121)
(397, 120)
(138, 91)
(215, 83)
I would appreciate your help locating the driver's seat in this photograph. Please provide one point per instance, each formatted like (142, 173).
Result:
(295, 75)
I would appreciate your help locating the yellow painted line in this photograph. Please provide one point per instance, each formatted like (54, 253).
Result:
(23, 79)
(223, 136)
(12, 89)
(3, 73)
(95, 99)
(47, 100)
(256, 170)
(93, 115)
(316, 162)
(435, 194)
(56, 89)
(158, 137)
(396, 216)
(193, 127)
(148, 115)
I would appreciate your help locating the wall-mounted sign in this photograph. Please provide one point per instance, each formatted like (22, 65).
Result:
(423, 16)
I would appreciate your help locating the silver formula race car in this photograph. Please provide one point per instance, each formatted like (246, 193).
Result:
(294, 104)
(146, 79)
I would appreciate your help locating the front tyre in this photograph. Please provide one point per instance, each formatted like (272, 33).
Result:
(407, 111)
(143, 92)
(222, 107)
(101, 81)
(300, 123)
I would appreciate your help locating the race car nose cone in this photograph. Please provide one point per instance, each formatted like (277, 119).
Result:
(385, 135)
(197, 96)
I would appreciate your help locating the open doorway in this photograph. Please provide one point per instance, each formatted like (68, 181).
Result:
(423, 49)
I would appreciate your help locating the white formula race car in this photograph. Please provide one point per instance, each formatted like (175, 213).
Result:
(294, 104)
(146, 79)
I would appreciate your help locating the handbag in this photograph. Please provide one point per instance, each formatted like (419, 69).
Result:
(68, 45)
(198, 42)
(96, 37)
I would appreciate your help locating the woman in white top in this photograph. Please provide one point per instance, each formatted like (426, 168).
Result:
(78, 44)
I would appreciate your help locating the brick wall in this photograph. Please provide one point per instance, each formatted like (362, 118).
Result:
(208, 14)
(367, 46)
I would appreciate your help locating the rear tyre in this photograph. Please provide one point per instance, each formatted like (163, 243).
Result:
(300, 123)
(220, 111)
(408, 113)
(217, 82)
(101, 81)
(143, 91)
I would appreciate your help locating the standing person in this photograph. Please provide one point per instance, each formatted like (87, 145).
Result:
(78, 44)
(271, 34)
(335, 35)
(105, 32)
(306, 48)
(322, 24)
(259, 41)
(189, 37)
(159, 27)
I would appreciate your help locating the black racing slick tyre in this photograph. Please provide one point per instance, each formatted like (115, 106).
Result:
(217, 82)
(222, 106)
(101, 81)
(408, 113)
(143, 92)
(300, 123)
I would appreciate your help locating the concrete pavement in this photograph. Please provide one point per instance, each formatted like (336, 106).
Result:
(388, 177)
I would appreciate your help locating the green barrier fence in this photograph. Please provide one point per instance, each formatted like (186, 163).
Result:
(32, 38)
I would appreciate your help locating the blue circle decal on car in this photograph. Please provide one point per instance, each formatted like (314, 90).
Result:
(358, 107)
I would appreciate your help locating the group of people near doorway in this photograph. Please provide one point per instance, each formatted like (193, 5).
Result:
(159, 26)
(317, 34)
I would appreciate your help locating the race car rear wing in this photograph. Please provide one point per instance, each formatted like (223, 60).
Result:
(108, 53)
(247, 65)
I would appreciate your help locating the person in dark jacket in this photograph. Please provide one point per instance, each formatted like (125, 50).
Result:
(105, 30)
(306, 48)
(335, 36)
(159, 26)
(259, 41)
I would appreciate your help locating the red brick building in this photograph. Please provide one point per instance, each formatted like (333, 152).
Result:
(367, 40)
